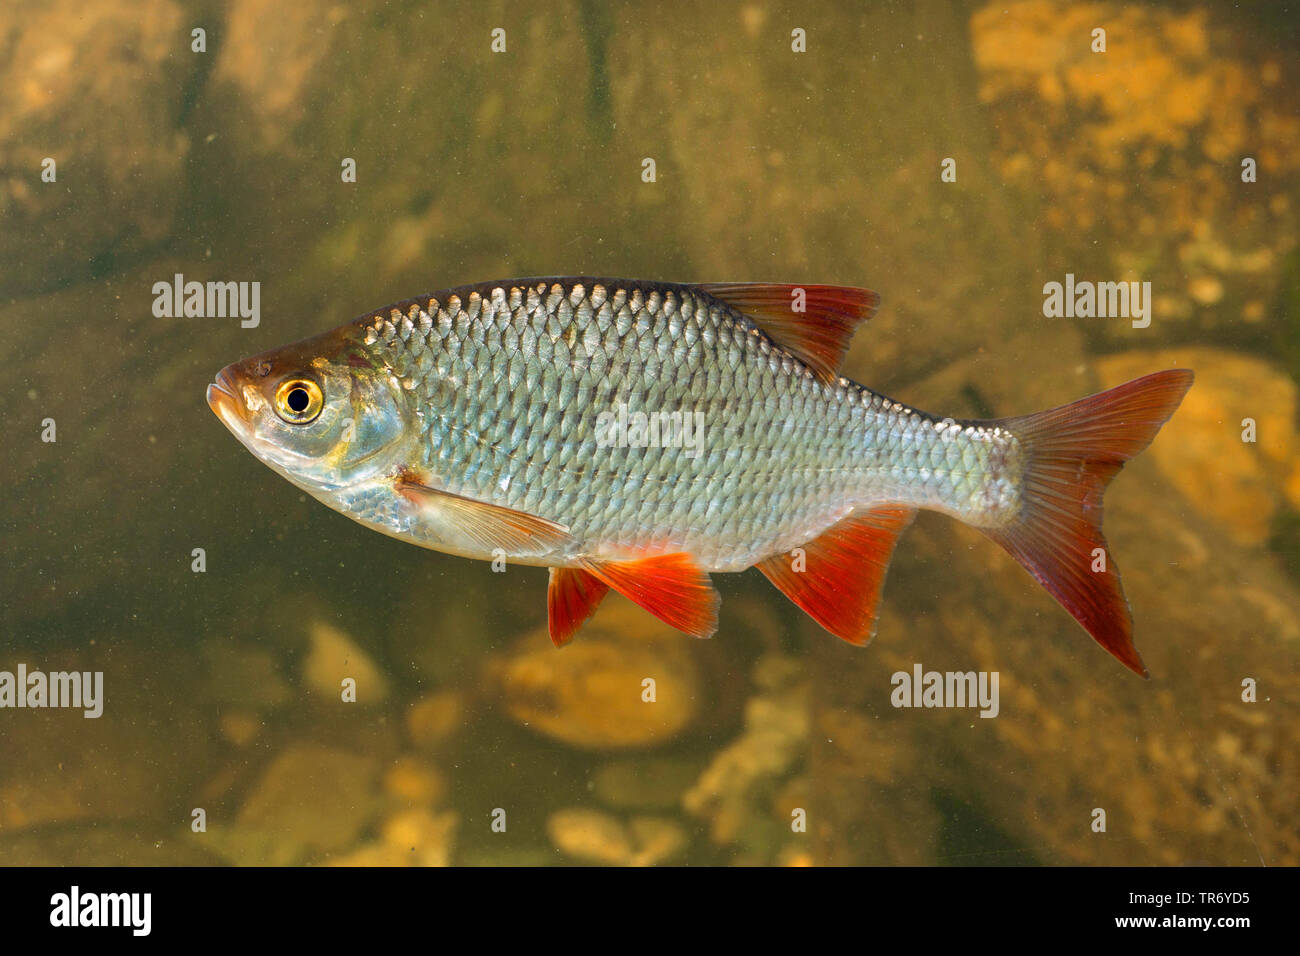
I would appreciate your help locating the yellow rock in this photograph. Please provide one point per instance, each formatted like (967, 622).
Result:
(598, 837)
(411, 838)
(1157, 81)
(592, 692)
(414, 780)
(372, 854)
(657, 840)
(434, 719)
(333, 657)
(1293, 486)
(309, 800)
(426, 838)
(590, 835)
(1201, 450)
(1206, 290)
(240, 727)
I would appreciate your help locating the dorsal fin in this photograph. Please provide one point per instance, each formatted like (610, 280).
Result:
(819, 335)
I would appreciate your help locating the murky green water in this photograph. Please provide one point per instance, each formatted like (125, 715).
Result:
(951, 156)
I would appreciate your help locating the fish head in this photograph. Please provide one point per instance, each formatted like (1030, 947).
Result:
(321, 413)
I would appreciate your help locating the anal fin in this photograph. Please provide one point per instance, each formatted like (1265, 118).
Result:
(670, 586)
(572, 596)
(840, 575)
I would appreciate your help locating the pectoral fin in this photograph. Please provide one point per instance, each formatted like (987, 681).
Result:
(669, 586)
(840, 574)
(485, 526)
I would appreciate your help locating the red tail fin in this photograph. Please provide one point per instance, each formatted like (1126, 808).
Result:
(1074, 451)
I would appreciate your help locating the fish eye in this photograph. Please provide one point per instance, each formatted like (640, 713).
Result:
(298, 400)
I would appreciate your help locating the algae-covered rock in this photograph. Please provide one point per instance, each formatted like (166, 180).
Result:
(310, 800)
(1203, 450)
(99, 90)
(244, 676)
(644, 783)
(1153, 133)
(774, 740)
(135, 761)
(102, 844)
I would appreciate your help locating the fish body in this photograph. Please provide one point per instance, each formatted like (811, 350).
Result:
(641, 435)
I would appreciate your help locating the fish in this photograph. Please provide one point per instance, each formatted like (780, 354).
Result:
(639, 436)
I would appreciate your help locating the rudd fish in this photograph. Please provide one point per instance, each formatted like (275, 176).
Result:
(488, 421)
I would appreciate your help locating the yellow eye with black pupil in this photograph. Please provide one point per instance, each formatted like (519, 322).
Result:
(298, 400)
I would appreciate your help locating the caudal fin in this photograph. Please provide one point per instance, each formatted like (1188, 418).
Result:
(1073, 453)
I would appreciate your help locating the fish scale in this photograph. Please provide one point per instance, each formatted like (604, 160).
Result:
(783, 454)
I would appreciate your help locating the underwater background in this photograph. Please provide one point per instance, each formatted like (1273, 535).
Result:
(472, 740)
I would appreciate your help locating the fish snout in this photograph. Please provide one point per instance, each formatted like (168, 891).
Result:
(224, 400)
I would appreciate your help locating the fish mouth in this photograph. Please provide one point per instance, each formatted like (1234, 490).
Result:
(224, 402)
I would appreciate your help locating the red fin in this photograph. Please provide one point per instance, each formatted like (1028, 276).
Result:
(844, 571)
(571, 598)
(819, 336)
(669, 586)
(1074, 452)
(480, 523)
